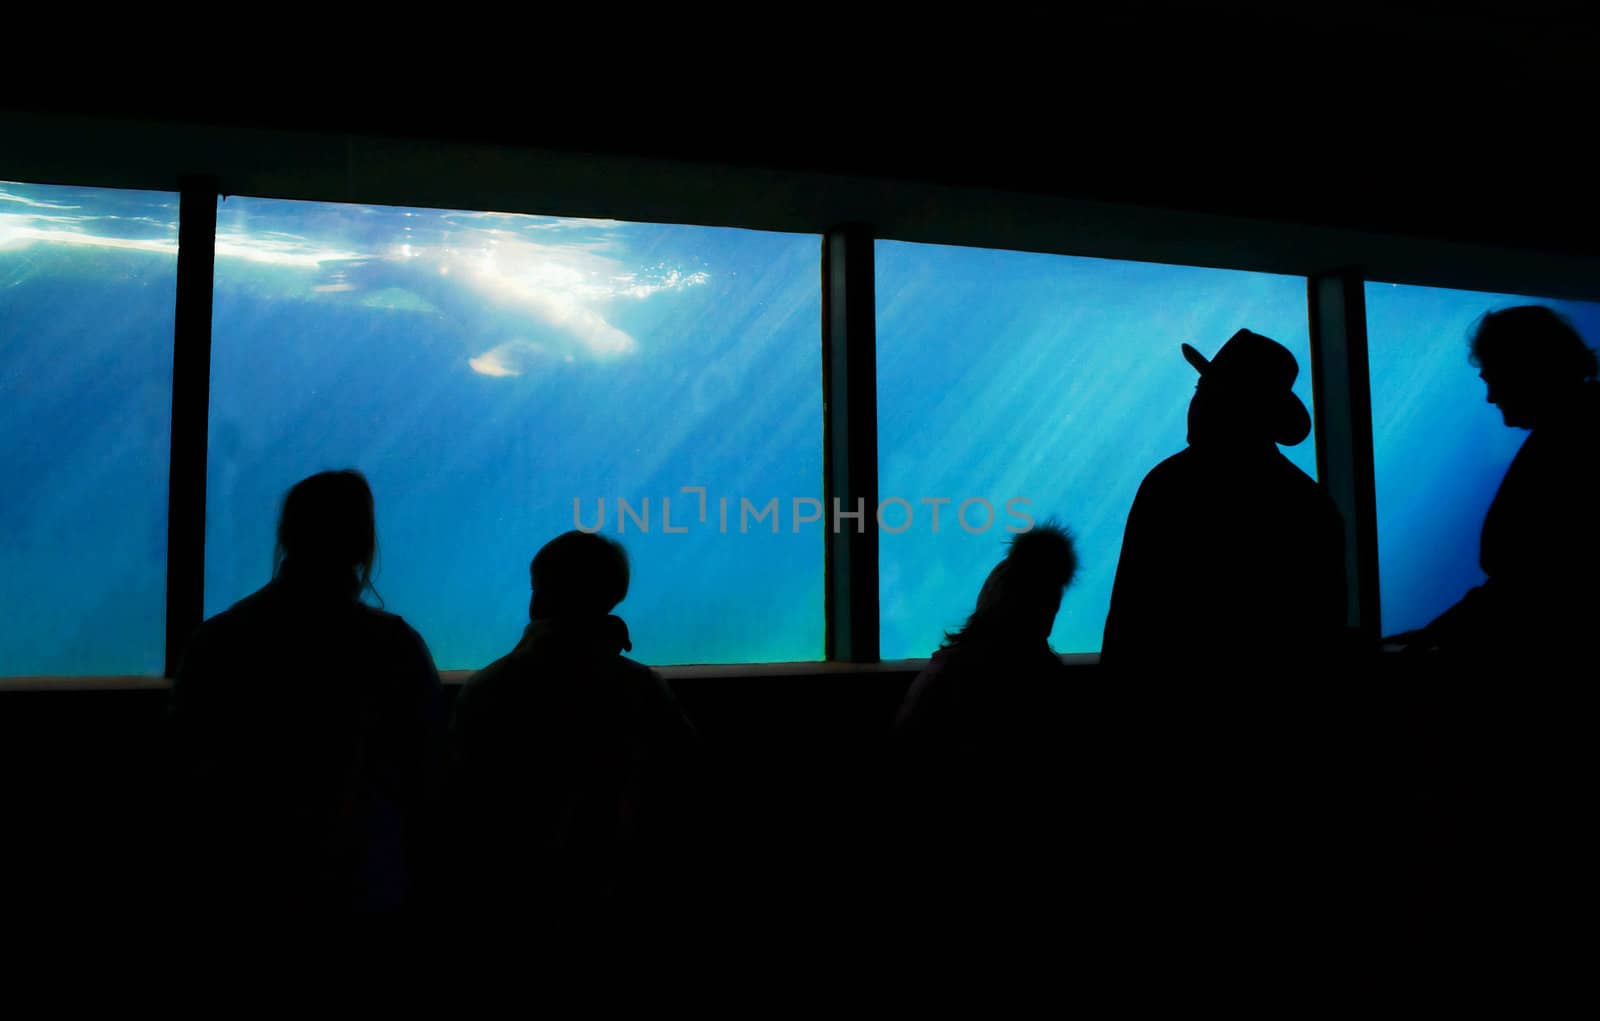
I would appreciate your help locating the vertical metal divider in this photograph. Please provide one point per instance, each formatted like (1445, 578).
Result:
(1342, 396)
(850, 445)
(191, 398)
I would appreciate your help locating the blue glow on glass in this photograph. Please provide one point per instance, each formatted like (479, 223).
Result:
(1439, 448)
(1052, 378)
(484, 370)
(88, 278)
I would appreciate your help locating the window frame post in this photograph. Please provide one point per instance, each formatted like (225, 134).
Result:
(1342, 397)
(191, 404)
(850, 443)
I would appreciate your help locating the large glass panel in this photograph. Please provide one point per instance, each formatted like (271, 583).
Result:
(88, 284)
(1054, 379)
(1440, 449)
(487, 370)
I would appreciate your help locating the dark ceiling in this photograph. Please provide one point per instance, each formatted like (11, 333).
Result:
(1458, 121)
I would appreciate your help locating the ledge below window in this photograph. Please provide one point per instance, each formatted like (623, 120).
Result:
(707, 671)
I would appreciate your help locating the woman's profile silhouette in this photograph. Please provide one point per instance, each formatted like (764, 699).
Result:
(307, 725)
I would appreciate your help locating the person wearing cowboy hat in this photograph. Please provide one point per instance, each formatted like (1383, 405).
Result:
(1231, 555)
(1229, 595)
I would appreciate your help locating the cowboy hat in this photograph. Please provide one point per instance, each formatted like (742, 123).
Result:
(1262, 372)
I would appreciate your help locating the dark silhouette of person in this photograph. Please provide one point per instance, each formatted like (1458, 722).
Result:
(571, 762)
(1232, 557)
(1505, 671)
(1228, 603)
(308, 727)
(1537, 548)
(980, 747)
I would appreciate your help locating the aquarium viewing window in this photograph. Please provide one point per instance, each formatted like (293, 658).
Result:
(1439, 448)
(1014, 376)
(503, 378)
(87, 277)
(767, 420)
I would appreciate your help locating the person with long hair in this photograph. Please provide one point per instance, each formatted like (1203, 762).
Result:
(1509, 708)
(981, 746)
(1538, 550)
(307, 725)
(1010, 627)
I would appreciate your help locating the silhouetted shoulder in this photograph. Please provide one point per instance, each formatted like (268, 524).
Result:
(1229, 476)
(925, 693)
(646, 680)
(237, 617)
(975, 683)
(270, 636)
(395, 628)
(229, 632)
(1166, 487)
(476, 704)
(1179, 469)
(540, 672)
(1293, 475)
(652, 698)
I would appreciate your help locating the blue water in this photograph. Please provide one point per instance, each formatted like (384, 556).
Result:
(87, 280)
(1440, 449)
(1047, 377)
(486, 370)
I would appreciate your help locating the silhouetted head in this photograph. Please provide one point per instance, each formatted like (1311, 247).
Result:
(1021, 596)
(327, 532)
(1246, 394)
(1532, 361)
(578, 574)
